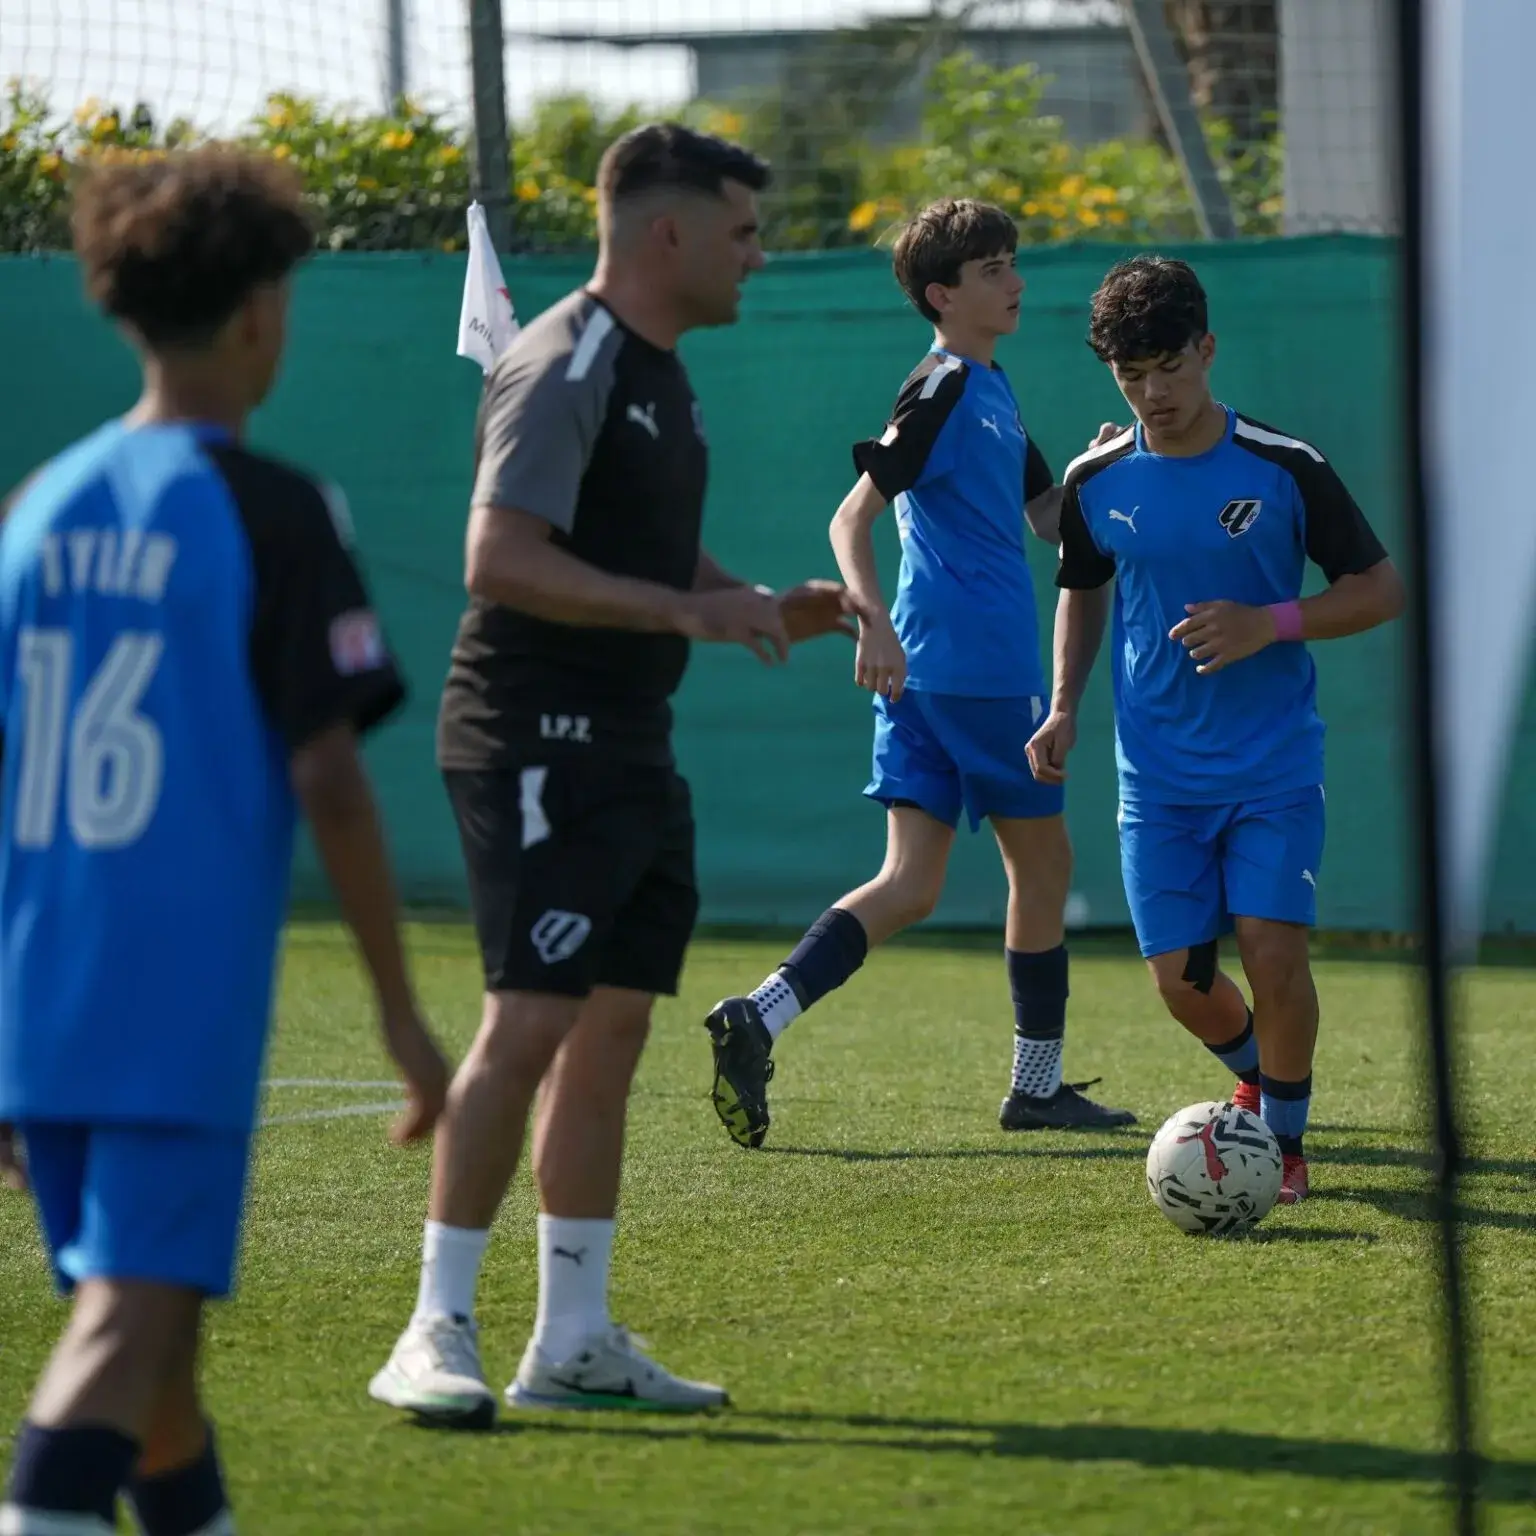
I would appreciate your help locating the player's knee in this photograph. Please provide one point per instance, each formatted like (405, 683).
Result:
(913, 899)
(520, 1032)
(1278, 966)
(131, 1330)
(1184, 979)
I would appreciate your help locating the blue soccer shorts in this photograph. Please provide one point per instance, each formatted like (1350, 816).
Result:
(139, 1202)
(1190, 870)
(944, 753)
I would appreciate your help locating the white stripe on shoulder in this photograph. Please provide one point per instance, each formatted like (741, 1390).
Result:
(16, 1521)
(1274, 439)
(937, 377)
(1094, 454)
(598, 328)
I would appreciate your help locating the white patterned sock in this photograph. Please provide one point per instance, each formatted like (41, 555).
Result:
(1036, 1066)
(777, 1003)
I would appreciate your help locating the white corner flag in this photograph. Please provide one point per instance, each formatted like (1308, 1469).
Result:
(487, 322)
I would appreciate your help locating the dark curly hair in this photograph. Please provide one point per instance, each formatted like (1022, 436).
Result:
(1146, 307)
(173, 244)
(937, 242)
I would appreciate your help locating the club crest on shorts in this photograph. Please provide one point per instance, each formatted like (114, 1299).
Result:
(558, 935)
(1238, 516)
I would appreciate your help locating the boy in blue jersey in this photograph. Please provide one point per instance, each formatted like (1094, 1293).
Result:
(1206, 519)
(186, 651)
(956, 673)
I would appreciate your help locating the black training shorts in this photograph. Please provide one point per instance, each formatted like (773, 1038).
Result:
(580, 873)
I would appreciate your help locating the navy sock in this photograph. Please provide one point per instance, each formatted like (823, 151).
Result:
(78, 1469)
(1038, 983)
(1284, 1108)
(833, 948)
(1240, 1055)
(184, 1501)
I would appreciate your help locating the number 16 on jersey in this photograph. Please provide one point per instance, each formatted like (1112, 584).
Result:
(103, 758)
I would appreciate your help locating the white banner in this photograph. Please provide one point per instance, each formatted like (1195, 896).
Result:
(487, 322)
(1479, 245)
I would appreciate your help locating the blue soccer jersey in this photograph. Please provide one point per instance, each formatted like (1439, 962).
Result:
(177, 616)
(1236, 523)
(956, 461)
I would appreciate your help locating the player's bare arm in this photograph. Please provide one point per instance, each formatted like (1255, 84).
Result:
(332, 786)
(879, 663)
(510, 560)
(1080, 620)
(1043, 512)
(13, 1173)
(1217, 634)
(811, 609)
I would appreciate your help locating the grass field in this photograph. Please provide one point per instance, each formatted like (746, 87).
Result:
(927, 1326)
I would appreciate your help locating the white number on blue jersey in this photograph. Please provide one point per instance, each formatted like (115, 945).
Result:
(107, 758)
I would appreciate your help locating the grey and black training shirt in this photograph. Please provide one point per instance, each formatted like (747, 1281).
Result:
(596, 431)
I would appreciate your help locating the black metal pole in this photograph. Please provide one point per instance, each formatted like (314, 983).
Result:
(1425, 724)
(492, 166)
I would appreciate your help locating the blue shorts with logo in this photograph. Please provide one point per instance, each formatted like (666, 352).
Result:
(1190, 870)
(946, 753)
(139, 1202)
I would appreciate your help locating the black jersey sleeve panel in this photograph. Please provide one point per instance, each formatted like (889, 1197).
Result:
(895, 461)
(318, 655)
(1038, 478)
(1339, 539)
(1082, 566)
(540, 417)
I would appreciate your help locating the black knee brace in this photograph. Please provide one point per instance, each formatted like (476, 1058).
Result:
(1200, 973)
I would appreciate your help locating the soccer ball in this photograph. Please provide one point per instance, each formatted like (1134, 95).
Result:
(1214, 1168)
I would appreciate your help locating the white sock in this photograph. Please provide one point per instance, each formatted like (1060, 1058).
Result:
(574, 1253)
(777, 1003)
(450, 1266)
(1036, 1066)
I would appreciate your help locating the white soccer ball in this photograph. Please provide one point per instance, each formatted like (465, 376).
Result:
(1214, 1168)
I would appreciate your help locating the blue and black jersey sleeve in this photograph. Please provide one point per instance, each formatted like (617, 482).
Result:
(317, 653)
(898, 459)
(1038, 478)
(1339, 540)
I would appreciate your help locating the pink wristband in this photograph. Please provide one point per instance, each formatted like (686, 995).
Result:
(1287, 617)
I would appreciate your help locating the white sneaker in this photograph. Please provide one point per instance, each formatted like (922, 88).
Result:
(435, 1372)
(607, 1371)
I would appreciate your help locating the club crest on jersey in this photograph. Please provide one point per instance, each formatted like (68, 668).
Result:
(1238, 516)
(356, 643)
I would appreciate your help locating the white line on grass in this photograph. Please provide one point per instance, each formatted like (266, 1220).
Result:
(338, 1112)
(328, 1082)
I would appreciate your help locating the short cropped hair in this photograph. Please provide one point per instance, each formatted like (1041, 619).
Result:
(1146, 307)
(937, 242)
(173, 244)
(667, 156)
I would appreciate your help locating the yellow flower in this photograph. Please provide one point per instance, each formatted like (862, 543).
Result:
(726, 124)
(1011, 194)
(589, 195)
(863, 217)
(403, 139)
(1088, 218)
(280, 117)
(450, 154)
(51, 165)
(528, 190)
(367, 184)
(87, 110)
(1072, 186)
(282, 152)
(106, 126)
(1030, 209)
(1118, 216)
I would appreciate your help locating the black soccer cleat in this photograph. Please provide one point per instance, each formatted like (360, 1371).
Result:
(743, 1069)
(1065, 1110)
